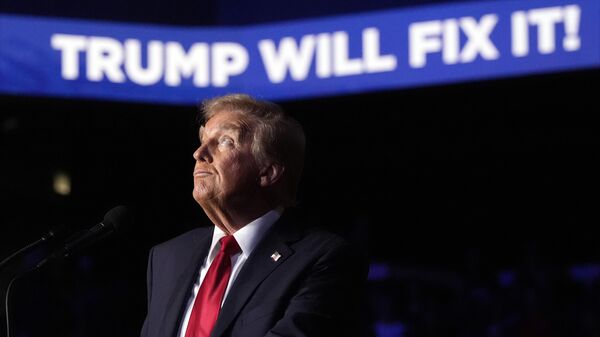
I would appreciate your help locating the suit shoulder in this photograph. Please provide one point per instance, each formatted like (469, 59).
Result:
(323, 236)
(308, 231)
(324, 243)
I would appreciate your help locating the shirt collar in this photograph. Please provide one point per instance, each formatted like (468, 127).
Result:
(250, 235)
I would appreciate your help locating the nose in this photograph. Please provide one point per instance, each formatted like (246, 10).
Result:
(202, 154)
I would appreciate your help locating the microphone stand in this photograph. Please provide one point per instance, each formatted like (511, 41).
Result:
(6, 296)
(114, 218)
(5, 292)
(15, 273)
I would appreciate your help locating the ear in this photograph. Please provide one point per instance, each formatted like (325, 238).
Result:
(271, 174)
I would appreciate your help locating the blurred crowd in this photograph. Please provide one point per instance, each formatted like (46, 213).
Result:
(533, 299)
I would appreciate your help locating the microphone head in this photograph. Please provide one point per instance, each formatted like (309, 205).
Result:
(118, 218)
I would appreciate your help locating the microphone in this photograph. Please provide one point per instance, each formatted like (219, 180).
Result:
(115, 219)
(52, 234)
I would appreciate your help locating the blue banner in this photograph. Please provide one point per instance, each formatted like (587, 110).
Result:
(338, 55)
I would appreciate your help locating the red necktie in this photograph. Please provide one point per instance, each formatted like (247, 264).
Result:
(208, 300)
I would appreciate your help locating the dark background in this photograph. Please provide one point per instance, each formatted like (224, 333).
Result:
(476, 201)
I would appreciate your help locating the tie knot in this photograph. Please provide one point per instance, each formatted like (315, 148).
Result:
(229, 246)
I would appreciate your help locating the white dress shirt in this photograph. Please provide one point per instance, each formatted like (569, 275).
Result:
(247, 238)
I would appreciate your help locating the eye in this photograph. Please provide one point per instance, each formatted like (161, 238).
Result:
(226, 141)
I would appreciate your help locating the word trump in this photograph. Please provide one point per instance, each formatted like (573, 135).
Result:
(208, 64)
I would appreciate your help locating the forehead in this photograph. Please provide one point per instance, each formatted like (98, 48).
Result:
(226, 121)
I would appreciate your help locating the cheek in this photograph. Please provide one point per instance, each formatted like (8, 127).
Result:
(231, 172)
(239, 169)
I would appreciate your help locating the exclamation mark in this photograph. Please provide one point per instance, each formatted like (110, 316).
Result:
(572, 18)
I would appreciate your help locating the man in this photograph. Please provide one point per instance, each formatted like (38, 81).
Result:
(257, 271)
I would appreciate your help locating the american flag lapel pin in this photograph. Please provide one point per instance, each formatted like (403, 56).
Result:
(275, 256)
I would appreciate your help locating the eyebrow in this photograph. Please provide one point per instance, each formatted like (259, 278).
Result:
(230, 126)
(223, 127)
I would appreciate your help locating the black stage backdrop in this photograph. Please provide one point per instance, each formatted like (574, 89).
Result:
(476, 202)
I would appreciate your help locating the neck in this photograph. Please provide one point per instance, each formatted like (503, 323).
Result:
(231, 219)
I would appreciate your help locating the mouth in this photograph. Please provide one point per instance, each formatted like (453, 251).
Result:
(201, 173)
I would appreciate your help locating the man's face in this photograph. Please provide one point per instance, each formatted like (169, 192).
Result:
(226, 172)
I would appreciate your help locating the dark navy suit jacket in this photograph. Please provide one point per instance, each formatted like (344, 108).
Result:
(316, 288)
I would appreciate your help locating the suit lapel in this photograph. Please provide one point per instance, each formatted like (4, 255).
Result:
(258, 266)
(175, 309)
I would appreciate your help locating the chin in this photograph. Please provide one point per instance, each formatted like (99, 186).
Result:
(198, 196)
(202, 198)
